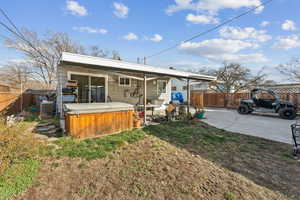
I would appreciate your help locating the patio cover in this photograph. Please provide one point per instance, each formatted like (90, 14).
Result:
(78, 59)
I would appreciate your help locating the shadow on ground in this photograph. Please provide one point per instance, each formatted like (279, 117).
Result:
(265, 162)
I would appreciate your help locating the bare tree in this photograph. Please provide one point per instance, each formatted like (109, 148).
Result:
(43, 54)
(116, 55)
(96, 51)
(269, 82)
(291, 69)
(16, 74)
(205, 70)
(233, 78)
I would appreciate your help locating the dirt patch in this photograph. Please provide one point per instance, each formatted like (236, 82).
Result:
(265, 162)
(148, 169)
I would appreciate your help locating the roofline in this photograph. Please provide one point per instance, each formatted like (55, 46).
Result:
(283, 84)
(155, 70)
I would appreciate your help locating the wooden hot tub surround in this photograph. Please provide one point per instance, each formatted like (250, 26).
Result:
(98, 119)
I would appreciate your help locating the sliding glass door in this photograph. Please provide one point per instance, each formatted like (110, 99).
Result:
(90, 88)
(97, 89)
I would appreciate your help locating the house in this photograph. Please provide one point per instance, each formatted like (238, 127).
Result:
(101, 80)
(179, 89)
(283, 87)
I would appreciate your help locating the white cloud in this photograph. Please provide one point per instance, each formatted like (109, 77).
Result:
(288, 42)
(201, 19)
(241, 58)
(130, 36)
(75, 8)
(156, 38)
(222, 50)
(214, 46)
(90, 30)
(189, 65)
(249, 33)
(121, 10)
(212, 6)
(215, 6)
(180, 5)
(264, 23)
(288, 25)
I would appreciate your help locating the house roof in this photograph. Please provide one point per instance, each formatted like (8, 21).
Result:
(127, 66)
(295, 84)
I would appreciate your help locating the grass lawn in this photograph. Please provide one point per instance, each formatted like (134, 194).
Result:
(18, 159)
(17, 178)
(90, 149)
(265, 162)
(167, 161)
(161, 162)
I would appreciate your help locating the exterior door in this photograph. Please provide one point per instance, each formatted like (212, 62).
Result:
(162, 90)
(97, 89)
(83, 87)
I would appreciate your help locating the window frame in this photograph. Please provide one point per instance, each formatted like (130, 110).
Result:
(165, 81)
(124, 85)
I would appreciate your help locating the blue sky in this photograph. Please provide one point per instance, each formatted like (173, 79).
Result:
(138, 28)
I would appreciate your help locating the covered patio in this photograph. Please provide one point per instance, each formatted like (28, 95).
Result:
(100, 80)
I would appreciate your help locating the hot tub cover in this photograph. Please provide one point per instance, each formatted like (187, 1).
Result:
(78, 108)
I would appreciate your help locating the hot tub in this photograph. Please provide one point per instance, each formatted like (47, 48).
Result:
(86, 120)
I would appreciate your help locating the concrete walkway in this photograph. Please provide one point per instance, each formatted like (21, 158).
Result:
(269, 127)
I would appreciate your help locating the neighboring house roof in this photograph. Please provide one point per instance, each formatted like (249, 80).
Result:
(127, 66)
(7, 85)
(283, 85)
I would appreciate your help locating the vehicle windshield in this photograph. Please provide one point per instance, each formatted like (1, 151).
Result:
(264, 94)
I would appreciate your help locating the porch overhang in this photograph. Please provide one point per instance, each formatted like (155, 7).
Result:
(121, 66)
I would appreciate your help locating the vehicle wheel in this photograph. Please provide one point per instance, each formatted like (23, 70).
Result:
(242, 109)
(287, 113)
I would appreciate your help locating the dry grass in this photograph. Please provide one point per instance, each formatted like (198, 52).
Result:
(18, 157)
(16, 144)
(265, 162)
(148, 169)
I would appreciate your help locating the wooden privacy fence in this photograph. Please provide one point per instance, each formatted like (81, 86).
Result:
(218, 99)
(10, 103)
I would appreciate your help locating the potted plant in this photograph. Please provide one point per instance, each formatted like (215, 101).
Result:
(200, 113)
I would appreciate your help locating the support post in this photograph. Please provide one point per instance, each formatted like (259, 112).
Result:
(21, 96)
(90, 90)
(188, 96)
(145, 99)
(60, 88)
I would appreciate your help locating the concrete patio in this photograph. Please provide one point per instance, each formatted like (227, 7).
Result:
(269, 127)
